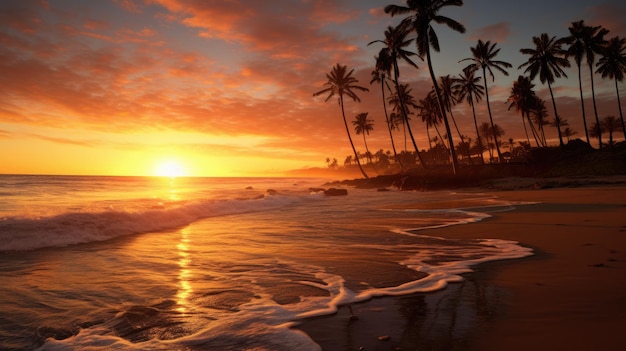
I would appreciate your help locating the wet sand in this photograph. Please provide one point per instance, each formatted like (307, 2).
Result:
(570, 295)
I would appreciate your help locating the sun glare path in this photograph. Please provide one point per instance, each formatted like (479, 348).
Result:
(171, 169)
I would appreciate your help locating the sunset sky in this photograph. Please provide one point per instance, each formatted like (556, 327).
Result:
(224, 88)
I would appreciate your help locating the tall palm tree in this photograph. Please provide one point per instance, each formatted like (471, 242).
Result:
(380, 75)
(483, 56)
(395, 42)
(578, 31)
(612, 64)
(422, 13)
(341, 82)
(522, 98)
(468, 88)
(593, 43)
(363, 125)
(547, 60)
(403, 101)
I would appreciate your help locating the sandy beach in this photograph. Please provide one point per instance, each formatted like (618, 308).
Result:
(570, 295)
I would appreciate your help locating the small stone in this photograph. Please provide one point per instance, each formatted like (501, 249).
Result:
(384, 338)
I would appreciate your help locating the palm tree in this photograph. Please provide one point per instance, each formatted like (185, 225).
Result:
(593, 43)
(403, 101)
(380, 75)
(486, 131)
(596, 130)
(522, 98)
(610, 124)
(430, 114)
(578, 30)
(341, 82)
(559, 123)
(547, 60)
(363, 125)
(483, 56)
(569, 132)
(423, 12)
(539, 113)
(467, 88)
(395, 42)
(449, 97)
(612, 64)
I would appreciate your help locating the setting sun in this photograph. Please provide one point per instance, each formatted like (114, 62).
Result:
(170, 169)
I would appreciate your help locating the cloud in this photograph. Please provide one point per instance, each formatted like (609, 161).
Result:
(610, 16)
(498, 32)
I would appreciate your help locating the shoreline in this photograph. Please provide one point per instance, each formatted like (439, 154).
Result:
(571, 294)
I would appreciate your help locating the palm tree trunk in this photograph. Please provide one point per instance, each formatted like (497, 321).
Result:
(455, 164)
(619, 105)
(493, 127)
(482, 158)
(393, 145)
(533, 129)
(558, 125)
(525, 129)
(345, 122)
(406, 118)
(367, 151)
(595, 109)
(582, 105)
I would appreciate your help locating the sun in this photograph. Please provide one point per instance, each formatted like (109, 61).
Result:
(169, 168)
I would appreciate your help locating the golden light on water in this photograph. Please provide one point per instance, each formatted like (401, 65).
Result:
(184, 286)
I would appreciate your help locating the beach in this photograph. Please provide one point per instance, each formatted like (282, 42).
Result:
(571, 294)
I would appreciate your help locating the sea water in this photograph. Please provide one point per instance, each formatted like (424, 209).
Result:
(134, 263)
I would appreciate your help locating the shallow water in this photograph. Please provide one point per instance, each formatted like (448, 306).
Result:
(196, 264)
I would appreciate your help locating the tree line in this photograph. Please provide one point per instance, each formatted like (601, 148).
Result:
(546, 60)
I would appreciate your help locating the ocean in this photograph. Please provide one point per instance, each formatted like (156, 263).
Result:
(149, 263)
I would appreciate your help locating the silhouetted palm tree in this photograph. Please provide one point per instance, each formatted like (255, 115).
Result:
(448, 97)
(422, 13)
(430, 114)
(395, 42)
(341, 82)
(539, 114)
(379, 75)
(483, 56)
(610, 124)
(403, 101)
(547, 60)
(596, 130)
(593, 43)
(559, 122)
(568, 133)
(612, 64)
(578, 30)
(363, 125)
(468, 88)
(522, 98)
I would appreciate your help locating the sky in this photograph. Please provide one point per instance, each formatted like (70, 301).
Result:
(224, 88)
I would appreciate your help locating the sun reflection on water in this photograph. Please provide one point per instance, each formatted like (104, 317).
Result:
(184, 285)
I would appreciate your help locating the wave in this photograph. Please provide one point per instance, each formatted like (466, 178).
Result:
(70, 228)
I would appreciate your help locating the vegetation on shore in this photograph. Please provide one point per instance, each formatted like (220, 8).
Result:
(544, 167)
(448, 163)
